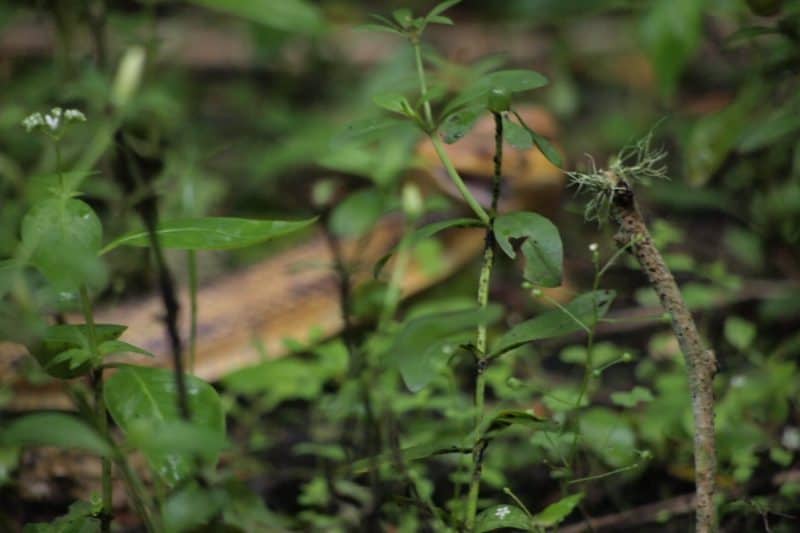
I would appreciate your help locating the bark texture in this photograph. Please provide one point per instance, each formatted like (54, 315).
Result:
(700, 361)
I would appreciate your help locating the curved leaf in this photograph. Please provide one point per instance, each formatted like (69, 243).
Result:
(425, 343)
(555, 513)
(502, 517)
(142, 401)
(212, 233)
(426, 232)
(61, 237)
(54, 429)
(578, 313)
(542, 249)
(287, 15)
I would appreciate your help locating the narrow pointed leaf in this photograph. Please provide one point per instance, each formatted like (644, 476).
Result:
(555, 513)
(554, 323)
(212, 233)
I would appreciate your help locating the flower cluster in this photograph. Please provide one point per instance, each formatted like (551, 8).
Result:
(52, 121)
(502, 512)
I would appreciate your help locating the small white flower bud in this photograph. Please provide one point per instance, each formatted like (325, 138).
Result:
(593, 247)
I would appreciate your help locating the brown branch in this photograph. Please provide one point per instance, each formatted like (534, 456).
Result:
(637, 516)
(700, 362)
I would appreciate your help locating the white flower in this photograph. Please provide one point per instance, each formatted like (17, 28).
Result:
(73, 115)
(502, 512)
(32, 121)
(791, 438)
(52, 122)
(593, 247)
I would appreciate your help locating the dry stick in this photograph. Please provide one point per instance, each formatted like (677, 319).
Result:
(700, 362)
(136, 172)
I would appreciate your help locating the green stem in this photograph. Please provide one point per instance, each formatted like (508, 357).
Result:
(100, 410)
(484, 282)
(191, 256)
(459, 183)
(423, 86)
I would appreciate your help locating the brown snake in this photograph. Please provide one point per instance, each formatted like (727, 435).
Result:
(252, 312)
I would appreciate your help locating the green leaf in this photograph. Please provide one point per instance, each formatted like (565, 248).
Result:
(633, 397)
(64, 351)
(426, 232)
(191, 507)
(772, 128)
(366, 130)
(714, 136)
(555, 513)
(212, 233)
(279, 380)
(459, 124)
(609, 435)
(509, 417)
(557, 322)
(177, 437)
(394, 102)
(117, 346)
(358, 213)
(739, 332)
(54, 429)
(441, 445)
(143, 400)
(403, 17)
(81, 518)
(61, 237)
(546, 147)
(542, 247)
(440, 8)
(298, 16)
(510, 81)
(516, 135)
(501, 517)
(425, 343)
(671, 32)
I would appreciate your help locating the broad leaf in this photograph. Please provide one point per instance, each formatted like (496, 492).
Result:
(298, 16)
(212, 233)
(54, 429)
(426, 232)
(191, 507)
(633, 397)
(502, 517)
(671, 32)
(542, 247)
(609, 435)
(358, 213)
(580, 312)
(555, 513)
(714, 136)
(61, 237)
(425, 343)
(144, 399)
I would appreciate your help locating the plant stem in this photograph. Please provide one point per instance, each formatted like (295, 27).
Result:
(100, 410)
(191, 257)
(484, 282)
(459, 183)
(423, 86)
(700, 362)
